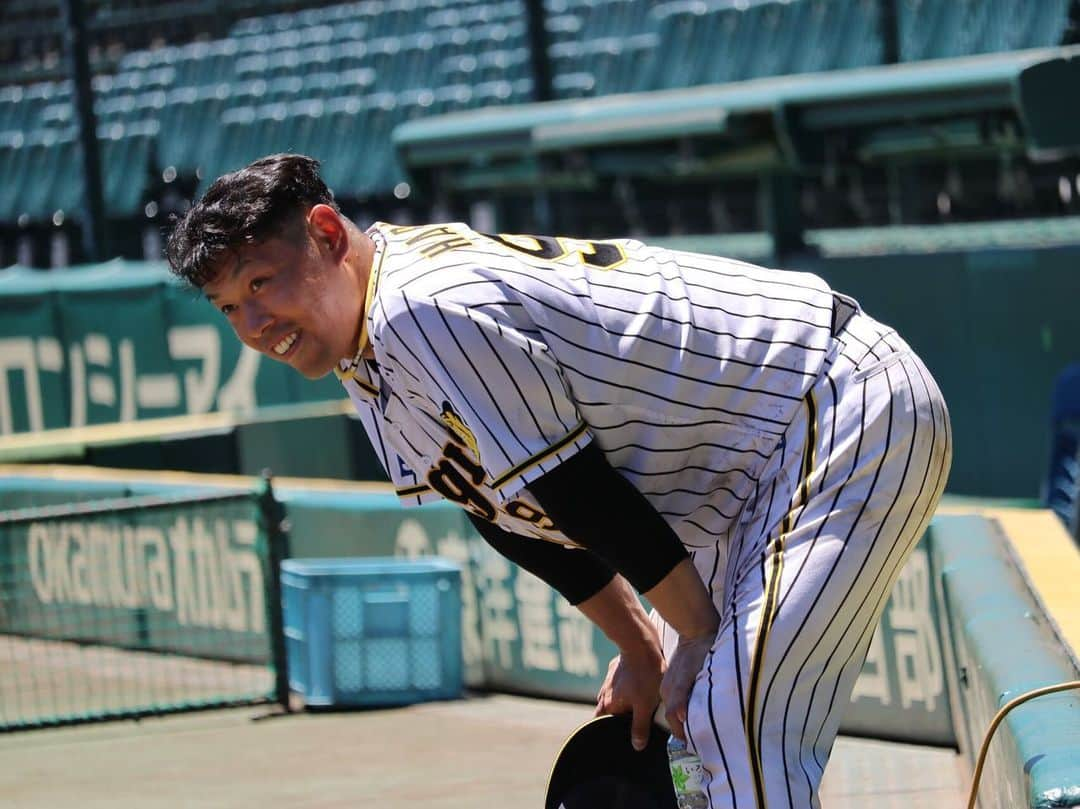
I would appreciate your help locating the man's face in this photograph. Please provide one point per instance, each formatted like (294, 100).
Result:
(291, 299)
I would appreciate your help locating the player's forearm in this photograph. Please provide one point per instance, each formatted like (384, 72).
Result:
(619, 615)
(684, 603)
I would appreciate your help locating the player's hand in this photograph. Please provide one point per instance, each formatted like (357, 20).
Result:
(632, 685)
(678, 681)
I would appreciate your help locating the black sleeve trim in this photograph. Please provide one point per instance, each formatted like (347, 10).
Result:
(600, 510)
(576, 573)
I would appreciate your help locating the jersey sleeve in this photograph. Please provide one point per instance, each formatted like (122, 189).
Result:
(408, 485)
(497, 389)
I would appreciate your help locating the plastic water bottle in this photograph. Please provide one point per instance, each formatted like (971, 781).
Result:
(687, 775)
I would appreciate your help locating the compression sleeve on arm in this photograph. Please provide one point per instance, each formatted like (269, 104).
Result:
(577, 574)
(600, 510)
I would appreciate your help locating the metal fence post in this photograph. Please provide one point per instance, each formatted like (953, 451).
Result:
(277, 539)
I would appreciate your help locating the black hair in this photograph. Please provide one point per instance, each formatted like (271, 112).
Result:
(248, 206)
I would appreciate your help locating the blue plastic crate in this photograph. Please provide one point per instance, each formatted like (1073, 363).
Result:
(372, 631)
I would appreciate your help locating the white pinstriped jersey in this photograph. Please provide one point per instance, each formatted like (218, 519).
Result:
(497, 357)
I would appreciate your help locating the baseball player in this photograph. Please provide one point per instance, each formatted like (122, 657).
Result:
(743, 446)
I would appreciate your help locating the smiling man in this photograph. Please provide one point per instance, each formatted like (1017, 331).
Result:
(282, 264)
(743, 446)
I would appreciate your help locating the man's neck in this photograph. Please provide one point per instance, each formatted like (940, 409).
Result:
(361, 258)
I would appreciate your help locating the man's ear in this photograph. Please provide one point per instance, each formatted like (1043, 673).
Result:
(326, 227)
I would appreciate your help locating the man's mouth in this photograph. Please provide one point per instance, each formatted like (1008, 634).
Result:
(285, 346)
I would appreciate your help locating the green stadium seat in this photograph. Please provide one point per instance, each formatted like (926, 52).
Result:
(189, 124)
(679, 25)
(452, 98)
(349, 55)
(305, 120)
(57, 115)
(356, 82)
(602, 59)
(315, 58)
(11, 108)
(320, 85)
(443, 18)
(396, 18)
(500, 93)
(356, 143)
(412, 67)
(921, 24)
(508, 64)
(613, 18)
(284, 64)
(566, 57)
(619, 64)
(200, 64)
(776, 27)
(639, 54)
(52, 181)
(317, 35)
(352, 31)
(808, 50)
(457, 70)
(127, 162)
(574, 85)
(24, 113)
(863, 45)
(382, 57)
(284, 88)
(245, 92)
(13, 168)
(1037, 25)
(272, 131)
(341, 123)
(35, 182)
(230, 146)
(248, 27)
(936, 29)
(254, 43)
(415, 103)
(101, 84)
(563, 28)
(497, 36)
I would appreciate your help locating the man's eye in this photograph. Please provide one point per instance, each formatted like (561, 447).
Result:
(228, 309)
(256, 283)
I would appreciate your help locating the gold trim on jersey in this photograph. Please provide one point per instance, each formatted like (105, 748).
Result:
(362, 342)
(539, 457)
(369, 294)
(774, 565)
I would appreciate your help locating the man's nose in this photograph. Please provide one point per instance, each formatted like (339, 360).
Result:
(255, 321)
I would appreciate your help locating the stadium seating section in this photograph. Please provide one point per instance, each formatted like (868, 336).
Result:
(333, 81)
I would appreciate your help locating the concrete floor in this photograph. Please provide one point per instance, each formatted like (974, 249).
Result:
(486, 751)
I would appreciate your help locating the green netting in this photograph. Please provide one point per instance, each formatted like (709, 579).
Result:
(137, 606)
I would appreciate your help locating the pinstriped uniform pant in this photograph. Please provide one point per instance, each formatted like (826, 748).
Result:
(802, 582)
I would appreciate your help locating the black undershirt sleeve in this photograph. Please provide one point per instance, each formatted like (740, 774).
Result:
(599, 509)
(576, 573)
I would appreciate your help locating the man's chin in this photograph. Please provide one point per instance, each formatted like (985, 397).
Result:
(307, 369)
(314, 370)
(314, 373)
